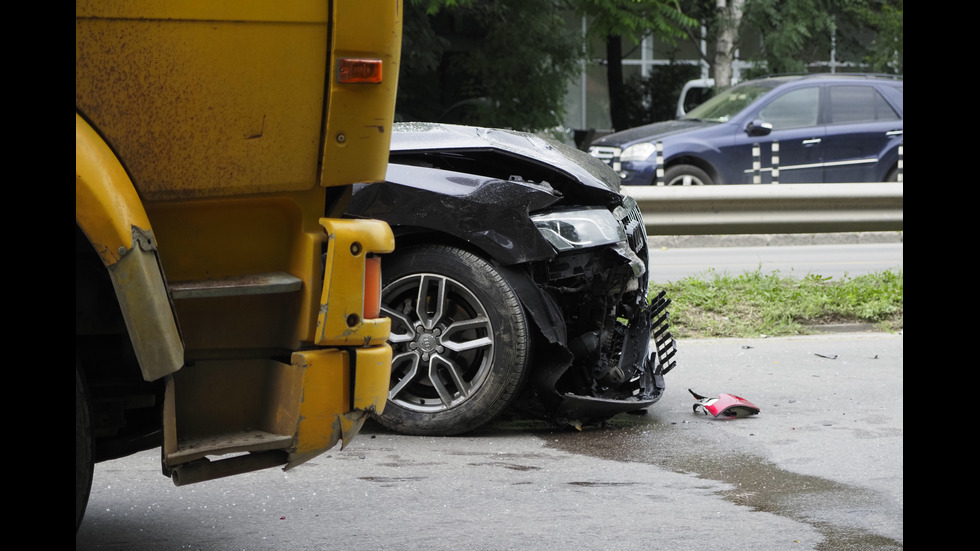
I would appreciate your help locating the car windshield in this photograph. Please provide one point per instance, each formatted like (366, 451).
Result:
(729, 103)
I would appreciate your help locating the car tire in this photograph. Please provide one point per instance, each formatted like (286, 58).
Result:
(892, 175)
(459, 360)
(84, 456)
(687, 175)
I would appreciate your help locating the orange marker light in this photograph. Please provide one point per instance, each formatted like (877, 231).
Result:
(358, 71)
(372, 287)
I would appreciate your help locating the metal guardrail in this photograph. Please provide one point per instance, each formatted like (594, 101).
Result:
(780, 208)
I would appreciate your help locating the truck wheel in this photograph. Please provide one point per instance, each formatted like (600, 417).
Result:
(686, 175)
(459, 338)
(84, 464)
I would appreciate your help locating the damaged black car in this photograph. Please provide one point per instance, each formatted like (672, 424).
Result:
(519, 278)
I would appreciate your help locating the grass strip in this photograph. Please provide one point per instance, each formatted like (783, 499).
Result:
(768, 304)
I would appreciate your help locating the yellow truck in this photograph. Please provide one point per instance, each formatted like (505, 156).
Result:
(224, 311)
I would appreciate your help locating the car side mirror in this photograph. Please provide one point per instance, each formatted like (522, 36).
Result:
(758, 128)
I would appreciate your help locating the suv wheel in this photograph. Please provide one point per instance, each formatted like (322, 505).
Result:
(459, 338)
(686, 175)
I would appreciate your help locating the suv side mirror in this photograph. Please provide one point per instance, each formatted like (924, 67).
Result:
(758, 128)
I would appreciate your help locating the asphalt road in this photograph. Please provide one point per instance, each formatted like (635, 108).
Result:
(833, 261)
(820, 468)
(672, 260)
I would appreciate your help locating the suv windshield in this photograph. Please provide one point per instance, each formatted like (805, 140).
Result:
(730, 102)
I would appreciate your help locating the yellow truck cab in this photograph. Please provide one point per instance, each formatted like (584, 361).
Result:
(224, 312)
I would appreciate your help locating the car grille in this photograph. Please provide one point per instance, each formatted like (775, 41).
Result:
(606, 154)
(632, 220)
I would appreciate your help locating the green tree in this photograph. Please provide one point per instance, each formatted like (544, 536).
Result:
(506, 63)
(885, 53)
(653, 98)
(794, 34)
(798, 32)
(500, 63)
(614, 20)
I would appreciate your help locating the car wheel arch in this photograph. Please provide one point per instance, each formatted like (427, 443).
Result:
(407, 236)
(540, 308)
(410, 236)
(889, 159)
(696, 162)
(891, 175)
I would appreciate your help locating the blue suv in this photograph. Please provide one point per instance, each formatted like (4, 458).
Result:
(788, 129)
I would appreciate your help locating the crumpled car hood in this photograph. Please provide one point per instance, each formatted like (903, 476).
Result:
(577, 165)
(488, 212)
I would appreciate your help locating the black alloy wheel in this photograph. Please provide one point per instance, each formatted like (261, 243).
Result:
(459, 338)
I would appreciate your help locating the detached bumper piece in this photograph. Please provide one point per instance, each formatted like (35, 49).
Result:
(665, 344)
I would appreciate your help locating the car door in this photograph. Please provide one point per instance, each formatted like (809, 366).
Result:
(794, 118)
(862, 129)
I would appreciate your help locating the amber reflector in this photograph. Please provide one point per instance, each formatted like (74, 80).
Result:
(372, 287)
(352, 71)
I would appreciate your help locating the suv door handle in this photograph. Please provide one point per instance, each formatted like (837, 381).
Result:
(811, 141)
(891, 133)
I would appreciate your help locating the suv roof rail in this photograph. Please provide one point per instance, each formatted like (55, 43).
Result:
(832, 75)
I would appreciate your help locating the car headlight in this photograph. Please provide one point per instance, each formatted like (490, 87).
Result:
(637, 152)
(579, 229)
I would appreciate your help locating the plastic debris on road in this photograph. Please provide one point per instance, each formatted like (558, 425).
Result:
(725, 406)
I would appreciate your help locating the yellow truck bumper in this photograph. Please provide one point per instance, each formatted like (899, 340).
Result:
(338, 395)
(299, 411)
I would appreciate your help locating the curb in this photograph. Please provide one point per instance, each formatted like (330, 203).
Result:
(773, 240)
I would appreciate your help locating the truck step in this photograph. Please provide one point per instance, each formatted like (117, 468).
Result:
(254, 284)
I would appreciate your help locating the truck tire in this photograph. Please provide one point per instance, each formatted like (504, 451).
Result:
(84, 461)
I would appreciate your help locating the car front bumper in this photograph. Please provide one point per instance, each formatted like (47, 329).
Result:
(607, 346)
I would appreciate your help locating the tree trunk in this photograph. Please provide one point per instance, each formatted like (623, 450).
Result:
(729, 20)
(614, 80)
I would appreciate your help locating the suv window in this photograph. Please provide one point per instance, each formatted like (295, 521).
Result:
(793, 109)
(696, 96)
(729, 103)
(858, 104)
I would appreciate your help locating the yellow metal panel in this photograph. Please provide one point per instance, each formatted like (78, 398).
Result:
(341, 319)
(327, 412)
(358, 129)
(373, 378)
(210, 10)
(326, 397)
(107, 207)
(227, 237)
(206, 101)
(109, 211)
